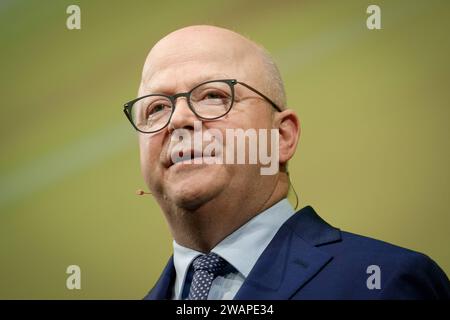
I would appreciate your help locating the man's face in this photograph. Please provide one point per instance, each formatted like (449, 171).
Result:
(177, 64)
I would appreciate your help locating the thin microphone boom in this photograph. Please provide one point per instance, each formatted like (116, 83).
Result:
(142, 192)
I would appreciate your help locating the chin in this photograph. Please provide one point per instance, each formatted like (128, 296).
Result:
(191, 191)
(191, 199)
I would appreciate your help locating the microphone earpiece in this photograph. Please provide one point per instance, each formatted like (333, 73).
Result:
(141, 192)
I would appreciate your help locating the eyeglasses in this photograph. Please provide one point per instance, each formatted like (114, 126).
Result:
(209, 100)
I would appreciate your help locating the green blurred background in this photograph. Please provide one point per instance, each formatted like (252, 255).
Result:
(373, 157)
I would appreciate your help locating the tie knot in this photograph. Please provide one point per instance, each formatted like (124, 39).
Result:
(210, 262)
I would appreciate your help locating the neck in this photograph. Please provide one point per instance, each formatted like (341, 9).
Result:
(206, 226)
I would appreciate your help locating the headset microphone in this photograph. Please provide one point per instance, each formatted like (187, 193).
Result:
(141, 192)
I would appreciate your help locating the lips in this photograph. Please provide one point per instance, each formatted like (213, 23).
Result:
(177, 156)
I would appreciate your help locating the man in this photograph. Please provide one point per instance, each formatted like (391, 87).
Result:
(235, 234)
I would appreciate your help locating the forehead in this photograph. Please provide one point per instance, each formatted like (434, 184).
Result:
(176, 77)
(176, 66)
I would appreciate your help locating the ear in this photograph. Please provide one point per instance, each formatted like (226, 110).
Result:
(288, 125)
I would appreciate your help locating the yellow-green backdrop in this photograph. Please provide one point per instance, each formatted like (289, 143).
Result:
(373, 157)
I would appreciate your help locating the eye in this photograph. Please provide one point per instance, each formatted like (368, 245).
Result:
(214, 97)
(156, 109)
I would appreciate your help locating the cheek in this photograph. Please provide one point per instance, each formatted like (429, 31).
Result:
(250, 116)
(150, 151)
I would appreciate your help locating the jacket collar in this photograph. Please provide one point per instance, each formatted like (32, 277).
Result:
(291, 259)
(163, 287)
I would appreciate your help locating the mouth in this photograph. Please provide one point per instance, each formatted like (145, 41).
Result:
(186, 157)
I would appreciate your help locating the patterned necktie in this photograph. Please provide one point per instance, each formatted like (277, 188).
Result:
(206, 268)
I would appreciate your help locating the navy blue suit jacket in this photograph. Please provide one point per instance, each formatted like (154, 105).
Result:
(309, 259)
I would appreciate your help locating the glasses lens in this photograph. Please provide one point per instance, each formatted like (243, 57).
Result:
(151, 113)
(212, 99)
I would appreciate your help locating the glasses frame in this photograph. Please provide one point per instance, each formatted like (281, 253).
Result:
(231, 83)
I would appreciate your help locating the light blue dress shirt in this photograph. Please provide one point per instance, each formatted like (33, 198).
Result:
(241, 249)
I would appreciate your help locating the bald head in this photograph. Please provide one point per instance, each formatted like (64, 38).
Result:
(213, 48)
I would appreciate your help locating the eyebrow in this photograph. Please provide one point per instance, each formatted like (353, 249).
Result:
(166, 88)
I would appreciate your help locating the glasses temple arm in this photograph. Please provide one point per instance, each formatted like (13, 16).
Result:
(262, 95)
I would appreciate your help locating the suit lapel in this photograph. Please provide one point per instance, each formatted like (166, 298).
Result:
(163, 287)
(291, 259)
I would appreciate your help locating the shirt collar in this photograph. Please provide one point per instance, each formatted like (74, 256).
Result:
(242, 248)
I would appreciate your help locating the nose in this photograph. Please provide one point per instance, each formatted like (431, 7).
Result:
(182, 116)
